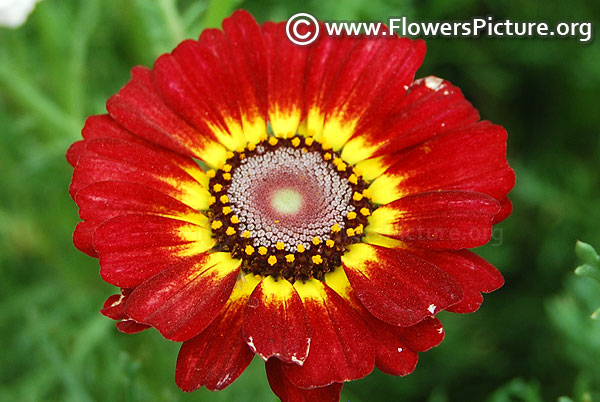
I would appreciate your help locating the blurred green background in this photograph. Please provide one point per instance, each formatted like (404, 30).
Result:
(531, 341)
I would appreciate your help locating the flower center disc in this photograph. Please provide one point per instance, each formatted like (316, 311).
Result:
(287, 201)
(287, 207)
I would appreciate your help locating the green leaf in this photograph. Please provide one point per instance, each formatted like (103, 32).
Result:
(591, 266)
(587, 254)
(517, 389)
(588, 270)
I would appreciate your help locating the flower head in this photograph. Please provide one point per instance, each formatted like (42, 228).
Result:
(328, 223)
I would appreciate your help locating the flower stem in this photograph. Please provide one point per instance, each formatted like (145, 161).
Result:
(173, 20)
(217, 10)
(27, 96)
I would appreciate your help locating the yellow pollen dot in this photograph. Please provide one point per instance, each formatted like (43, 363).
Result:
(330, 243)
(290, 258)
(217, 187)
(227, 167)
(246, 234)
(365, 211)
(211, 200)
(336, 228)
(211, 173)
(227, 176)
(353, 179)
(367, 193)
(229, 155)
(295, 141)
(300, 248)
(351, 215)
(327, 156)
(317, 259)
(359, 229)
(280, 245)
(224, 199)
(226, 210)
(262, 250)
(249, 249)
(273, 141)
(342, 167)
(309, 141)
(234, 219)
(251, 147)
(276, 221)
(272, 260)
(326, 145)
(230, 231)
(239, 150)
(357, 196)
(350, 232)
(316, 241)
(242, 156)
(216, 225)
(336, 161)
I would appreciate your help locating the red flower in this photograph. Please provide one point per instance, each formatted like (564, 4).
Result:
(330, 225)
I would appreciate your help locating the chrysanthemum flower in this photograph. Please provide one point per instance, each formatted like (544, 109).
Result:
(325, 224)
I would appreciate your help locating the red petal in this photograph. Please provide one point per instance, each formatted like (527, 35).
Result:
(218, 355)
(130, 326)
(82, 238)
(369, 100)
(506, 209)
(396, 347)
(422, 336)
(430, 107)
(286, 69)
(288, 392)
(116, 160)
(287, 334)
(74, 152)
(437, 220)
(206, 74)
(103, 126)
(133, 248)
(396, 286)
(192, 83)
(139, 108)
(326, 58)
(114, 307)
(472, 273)
(242, 54)
(102, 201)
(367, 85)
(469, 159)
(183, 300)
(392, 355)
(341, 348)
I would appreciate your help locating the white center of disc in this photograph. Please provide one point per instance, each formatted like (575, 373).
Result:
(287, 201)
